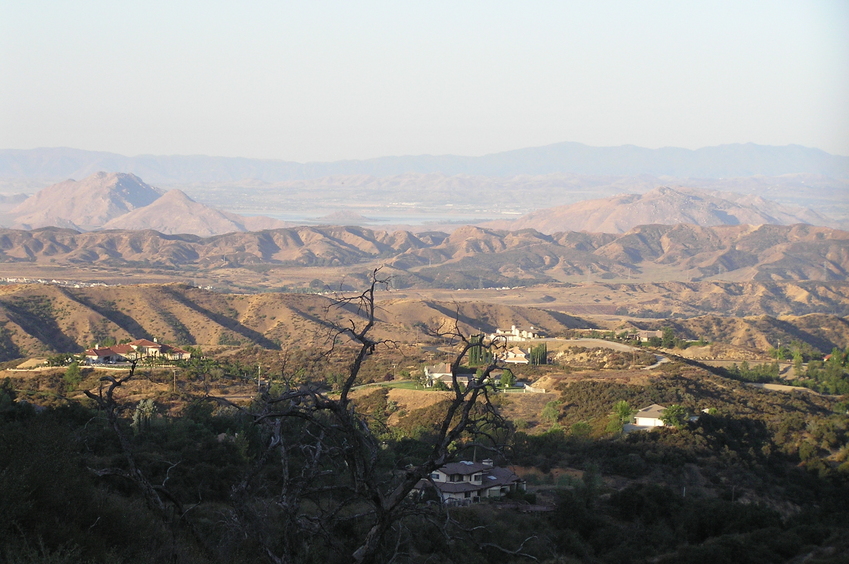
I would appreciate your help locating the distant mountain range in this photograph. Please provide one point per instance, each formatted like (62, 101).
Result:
(734, 160)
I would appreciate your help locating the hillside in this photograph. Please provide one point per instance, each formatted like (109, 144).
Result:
(38, 319)
(760, 333)
(663, 300)
(663, 205)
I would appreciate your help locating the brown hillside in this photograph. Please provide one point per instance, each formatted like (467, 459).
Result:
(38, 319)
(760, 333)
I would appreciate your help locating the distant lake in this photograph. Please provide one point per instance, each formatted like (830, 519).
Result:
(378, 219)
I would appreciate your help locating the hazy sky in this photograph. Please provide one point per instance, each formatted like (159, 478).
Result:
(320, 80)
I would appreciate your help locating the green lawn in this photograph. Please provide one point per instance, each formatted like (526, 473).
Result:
(404, 385)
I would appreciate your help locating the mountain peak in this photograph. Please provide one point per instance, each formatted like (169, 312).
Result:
(176, 195)
(87, 203)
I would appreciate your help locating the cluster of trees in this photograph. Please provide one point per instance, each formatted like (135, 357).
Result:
(668, 339)
(538, 355)
(760, 373)
(830, 376)
(479, 354)
(824, 376)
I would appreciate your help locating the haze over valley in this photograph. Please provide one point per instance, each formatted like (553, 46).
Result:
(438, 193)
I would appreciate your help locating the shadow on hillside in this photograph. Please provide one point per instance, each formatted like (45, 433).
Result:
(818, 342)
(224, 321)
(35, 316)
(122, 320)
(571, 321)
(465, 319)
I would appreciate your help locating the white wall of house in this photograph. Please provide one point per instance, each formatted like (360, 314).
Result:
(648, 422)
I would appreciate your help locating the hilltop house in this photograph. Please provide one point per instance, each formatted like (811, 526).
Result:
(464, 482)
(516, 334)
(134, 350)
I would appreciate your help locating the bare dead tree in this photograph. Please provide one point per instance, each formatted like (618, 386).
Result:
(330, 473)
(156, 496)
(105, 401)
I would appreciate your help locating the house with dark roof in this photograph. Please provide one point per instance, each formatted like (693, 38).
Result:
(442, 372)
(464, 482)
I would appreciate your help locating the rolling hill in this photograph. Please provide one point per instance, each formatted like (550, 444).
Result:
(176, 213)
(470, 257)
(38, 319)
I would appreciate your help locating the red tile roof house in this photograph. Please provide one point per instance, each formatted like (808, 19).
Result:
(134, 350)
(464, 482)
(103, 355)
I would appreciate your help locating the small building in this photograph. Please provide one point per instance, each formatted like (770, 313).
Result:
(646, 336)
(646, 419)
(464, 482)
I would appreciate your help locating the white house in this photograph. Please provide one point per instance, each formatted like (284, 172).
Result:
(516, 355)
(649, 416)
(103, 355)
(516, 334)
(460, 483)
